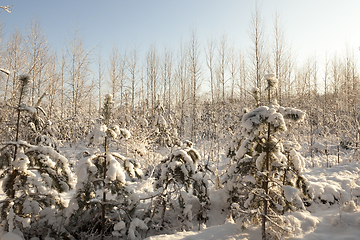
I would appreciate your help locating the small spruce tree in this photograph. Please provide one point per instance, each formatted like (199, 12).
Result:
(32, 180)
(262, 182)
(103, 201)
(162, 134)
(179, 182)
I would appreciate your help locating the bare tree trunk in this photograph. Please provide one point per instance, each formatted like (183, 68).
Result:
(152, 74)
(113, 72)
(234, 70)
(24, 81)
(258, 46)
(53, 86)
(167, 78)
(132, 62)
(103, 206)
(78, 71)
(210, 64)
(242, 83)
(223, 65)
(266, 185)
(99, 83)
(16, 62)
(38, 51)
(194, 74)
(278, 52)
(181, 76)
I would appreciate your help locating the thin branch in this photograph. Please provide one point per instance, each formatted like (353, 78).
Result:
(269, 219)
(6, 8)
(7, 72)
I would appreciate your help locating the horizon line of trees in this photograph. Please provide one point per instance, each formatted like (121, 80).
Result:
(71, 84)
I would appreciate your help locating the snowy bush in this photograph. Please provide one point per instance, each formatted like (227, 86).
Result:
(98, 186)
(39, 130)
(33, 177)
(264, 178)
(182, 191)
(32, 185)
(162, 134)
(102, 188)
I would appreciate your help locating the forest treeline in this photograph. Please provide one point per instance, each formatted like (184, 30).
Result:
(202, 88)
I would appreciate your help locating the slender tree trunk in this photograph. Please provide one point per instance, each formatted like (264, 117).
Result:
(266, 184)
(103, 206)
(14, 171)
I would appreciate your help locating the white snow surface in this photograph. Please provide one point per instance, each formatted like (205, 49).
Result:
(334, 212)
(11, 236)
(319, 222)
(227, 231)
(114, 169)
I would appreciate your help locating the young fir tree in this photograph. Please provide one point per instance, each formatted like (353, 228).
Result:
(41, 131)
(32, 181)
(103, 201)
(263, 181)
(163, 134)
(179, 182)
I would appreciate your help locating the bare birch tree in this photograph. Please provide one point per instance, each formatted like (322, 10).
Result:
(167, 77)
(242, 77)
(257, 54)
(132, 67)
(210, 52)
(117, 75)
(100, 82)
(278, 54)
(234, 71)
(194, 76)
(15, 63)
(38, 54)
(181, 76)
(223, 62)
(77, 72)
(152, 69)
(53, 88)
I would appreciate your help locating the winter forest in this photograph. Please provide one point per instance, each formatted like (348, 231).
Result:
(202, 141)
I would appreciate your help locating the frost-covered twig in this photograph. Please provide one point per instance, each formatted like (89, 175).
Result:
(98, 180)
(270, 220)
(18, 143)
(7, 72)
(150, 197)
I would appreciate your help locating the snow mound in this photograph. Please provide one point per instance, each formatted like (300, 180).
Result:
(11, 236)
(228, 231)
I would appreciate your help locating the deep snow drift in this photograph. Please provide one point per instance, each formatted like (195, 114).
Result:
(333, 214)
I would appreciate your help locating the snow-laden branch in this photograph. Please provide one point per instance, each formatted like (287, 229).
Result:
(6, 8)
(7, 72)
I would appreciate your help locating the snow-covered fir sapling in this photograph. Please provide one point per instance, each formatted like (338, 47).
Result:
(162, 134)
(235, 142)
(32, 182)
(103, 200)
(262, 182)
(40, 131)
(182, 191)
(255, 92)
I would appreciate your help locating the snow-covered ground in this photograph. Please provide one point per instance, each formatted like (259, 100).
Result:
(334, 214)
(337, 218)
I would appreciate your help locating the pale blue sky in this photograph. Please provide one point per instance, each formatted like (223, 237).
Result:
(310, 25)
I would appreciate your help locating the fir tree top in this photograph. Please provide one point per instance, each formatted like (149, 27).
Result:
(108, 108)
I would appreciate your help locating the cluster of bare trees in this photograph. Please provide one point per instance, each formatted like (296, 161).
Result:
(70, 84)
